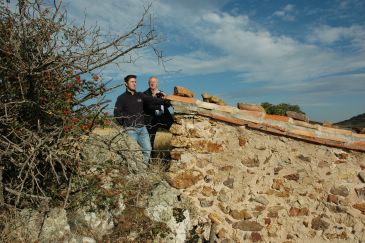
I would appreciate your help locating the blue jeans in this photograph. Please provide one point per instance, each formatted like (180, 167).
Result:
(140, 134)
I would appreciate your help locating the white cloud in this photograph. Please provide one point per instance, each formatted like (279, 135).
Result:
(220, 42)
(328, 35)
(252, 50)
(286, 13)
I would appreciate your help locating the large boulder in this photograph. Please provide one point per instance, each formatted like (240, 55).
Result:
(164, 206)
(212, 99)
(112, 145)
(250, 107)
(181, 91)
(297, 116)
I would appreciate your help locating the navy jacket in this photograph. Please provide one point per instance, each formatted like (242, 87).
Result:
(164, 120)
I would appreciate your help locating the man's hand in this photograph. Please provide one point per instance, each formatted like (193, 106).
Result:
(161, 95)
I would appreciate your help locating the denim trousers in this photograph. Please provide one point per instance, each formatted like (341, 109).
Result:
(140, 134)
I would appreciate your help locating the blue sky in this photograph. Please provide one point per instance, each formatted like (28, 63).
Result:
(310, 53)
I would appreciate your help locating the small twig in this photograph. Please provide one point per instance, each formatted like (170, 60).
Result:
(68, 192)
(1, 186)
(25, 194)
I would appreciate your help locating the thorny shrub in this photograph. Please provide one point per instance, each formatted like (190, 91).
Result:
(49, 81)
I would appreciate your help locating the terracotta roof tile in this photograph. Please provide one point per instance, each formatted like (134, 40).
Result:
(280, 125)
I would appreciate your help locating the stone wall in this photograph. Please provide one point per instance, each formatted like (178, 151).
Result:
(250, 185)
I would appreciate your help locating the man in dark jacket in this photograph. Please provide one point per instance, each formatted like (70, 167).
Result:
(129, 113)
(157, 116)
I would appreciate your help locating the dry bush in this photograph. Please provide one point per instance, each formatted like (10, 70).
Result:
(48, 76)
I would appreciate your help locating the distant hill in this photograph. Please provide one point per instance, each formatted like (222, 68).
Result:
(355, 123)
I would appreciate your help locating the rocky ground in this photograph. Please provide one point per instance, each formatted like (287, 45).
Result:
(225, 183)
(114, 198)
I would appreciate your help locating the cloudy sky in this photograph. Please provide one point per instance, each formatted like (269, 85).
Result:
(305, 52)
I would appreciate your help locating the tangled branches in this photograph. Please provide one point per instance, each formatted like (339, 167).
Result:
(47, 80)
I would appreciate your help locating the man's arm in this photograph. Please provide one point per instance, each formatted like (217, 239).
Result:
(152, 102)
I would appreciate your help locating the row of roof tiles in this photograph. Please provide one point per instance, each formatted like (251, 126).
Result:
(280, 125)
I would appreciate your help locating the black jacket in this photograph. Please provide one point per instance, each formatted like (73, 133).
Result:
(151, 119)
(128, 109)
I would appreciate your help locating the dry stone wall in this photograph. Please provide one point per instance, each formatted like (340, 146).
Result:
(249, 185)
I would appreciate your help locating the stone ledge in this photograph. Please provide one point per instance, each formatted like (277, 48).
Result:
(280, 125)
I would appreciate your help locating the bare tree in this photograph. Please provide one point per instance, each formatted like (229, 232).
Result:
(47, 77)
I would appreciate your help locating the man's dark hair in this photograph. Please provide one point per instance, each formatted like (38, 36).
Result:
(128, 77)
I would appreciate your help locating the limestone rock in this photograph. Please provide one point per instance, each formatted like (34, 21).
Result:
(292, 177)
(360, 193)
(227, 241)
(297, 116)
(277, 169)
(96, 150)
(240, 214)
(332, 198)
(304, 158)
(177, 129)
(319, 224)
(181, 91)
(273, 214)
(251, 162)
(340, 190)
(212, 99)
(275, 208)
(250, 107)
(342, 156)
(222, 196)
(361, 175)
(255, 237)
(323, 164)
(208, 191)
(222, 233)
(360, 206)
(202, 163)
(179, 142)
(226, 168)
(267, 221)
(272, 230)
(100, 222)
(247, 225)
(205, 202)
(336, 208)
(241, 141)
(27, 225)
(176, 153)
(260, 199)
(206, 146)
(215, 218)
(277, 184)
(184, 179)
(163, 206)
(224, 208)
(208, 179)
(229, 183)
(293, 212)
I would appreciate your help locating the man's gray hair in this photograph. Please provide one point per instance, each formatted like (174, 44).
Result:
(152, 78)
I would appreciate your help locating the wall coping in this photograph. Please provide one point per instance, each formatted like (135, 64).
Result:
(275, 124)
